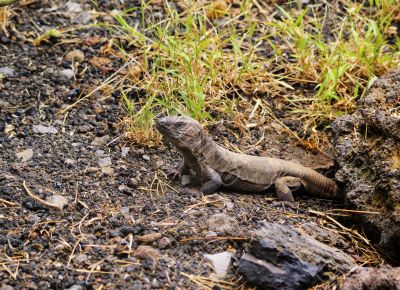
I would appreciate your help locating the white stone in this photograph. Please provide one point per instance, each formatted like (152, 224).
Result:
(67, 74)
(57, 200)
(25, 155)
(44, 129)
(220, 262)
(124, 151)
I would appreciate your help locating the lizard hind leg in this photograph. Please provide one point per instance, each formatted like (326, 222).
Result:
(283, 185)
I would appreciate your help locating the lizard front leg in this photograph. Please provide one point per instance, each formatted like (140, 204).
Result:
(182, 169)
(210, 180)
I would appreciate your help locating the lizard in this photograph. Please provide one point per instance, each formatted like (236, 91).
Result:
(216, 167)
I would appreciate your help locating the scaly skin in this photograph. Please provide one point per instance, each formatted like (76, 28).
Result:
(217, 167)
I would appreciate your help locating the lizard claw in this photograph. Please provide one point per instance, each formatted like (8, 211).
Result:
(174, 174)
(191, 192)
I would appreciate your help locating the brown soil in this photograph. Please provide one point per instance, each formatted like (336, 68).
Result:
(93, 241)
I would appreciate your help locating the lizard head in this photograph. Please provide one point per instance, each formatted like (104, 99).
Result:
(183, 132)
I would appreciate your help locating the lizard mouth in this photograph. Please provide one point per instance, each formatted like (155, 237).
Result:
(160, 126)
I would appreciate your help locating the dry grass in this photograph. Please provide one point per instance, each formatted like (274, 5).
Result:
(210, 283)
(215, 58)
(5, 13)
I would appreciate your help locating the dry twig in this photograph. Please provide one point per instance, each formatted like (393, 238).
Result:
(37, 198)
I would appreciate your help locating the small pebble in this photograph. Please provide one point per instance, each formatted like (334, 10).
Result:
(159, 164)
(211, 234)
(229, 205)
(104, 162)
(57, 200)
(124, 210)
(75, 55)
(145, 252)
(133, 182)
(81, 258)
(149, 238)
(67, 74)
(25, 155)
(44, 129)
(164, 243)
(6, 287)
(75, 287)
(73, 7)
(99, 141)
(125, 230)
(7, 71)
(83, 18)
(84, 128)
(222, 223)
(155, 283)
(107, 170)
(113, 233)
(124, 151)
(69, 161)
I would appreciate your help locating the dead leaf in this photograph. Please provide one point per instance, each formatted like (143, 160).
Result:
(100, 61)
(217, 9)
(91, 41)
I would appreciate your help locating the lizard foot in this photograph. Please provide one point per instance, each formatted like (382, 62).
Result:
(285, 203)
(174, 174)
(189, 191)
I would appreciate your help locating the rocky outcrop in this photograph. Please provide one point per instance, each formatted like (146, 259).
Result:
(367, 147)
(282, 258)
(373, 279)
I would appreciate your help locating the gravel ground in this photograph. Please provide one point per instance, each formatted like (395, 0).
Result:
(123, 223)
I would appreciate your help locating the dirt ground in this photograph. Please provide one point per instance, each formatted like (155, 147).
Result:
(113, 196)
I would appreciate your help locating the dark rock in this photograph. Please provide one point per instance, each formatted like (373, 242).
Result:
(367, 149)
(114, 233)
(125, 230)
(133, 182)
(281, 258)
(373, 279)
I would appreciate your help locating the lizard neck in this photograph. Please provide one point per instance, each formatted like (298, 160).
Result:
(208, 150)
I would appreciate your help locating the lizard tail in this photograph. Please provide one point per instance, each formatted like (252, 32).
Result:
(318, 184)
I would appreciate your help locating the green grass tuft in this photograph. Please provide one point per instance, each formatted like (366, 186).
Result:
(201, 63)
